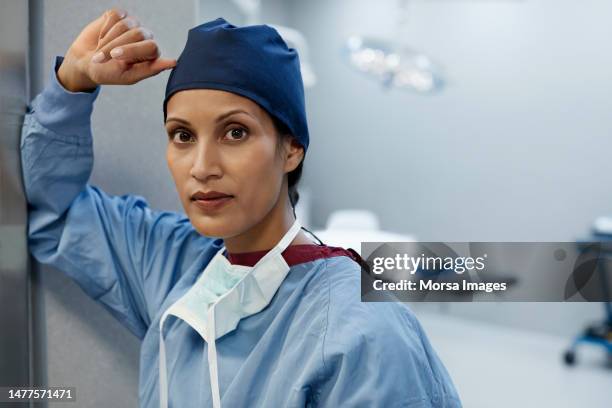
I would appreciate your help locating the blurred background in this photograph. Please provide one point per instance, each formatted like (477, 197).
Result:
(434, 120)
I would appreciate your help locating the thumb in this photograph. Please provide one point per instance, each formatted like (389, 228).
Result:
(142, 70)
(162, 64)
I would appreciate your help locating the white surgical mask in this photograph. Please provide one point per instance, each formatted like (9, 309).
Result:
(222, 295)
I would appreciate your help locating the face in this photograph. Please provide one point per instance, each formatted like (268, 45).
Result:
(220, 142)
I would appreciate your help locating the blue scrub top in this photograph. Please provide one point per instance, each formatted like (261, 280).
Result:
(316, 344)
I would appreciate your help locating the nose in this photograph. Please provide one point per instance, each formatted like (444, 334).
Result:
(207, 161)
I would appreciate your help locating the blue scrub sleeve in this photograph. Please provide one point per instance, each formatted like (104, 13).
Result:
(119, 251)
(377, 354)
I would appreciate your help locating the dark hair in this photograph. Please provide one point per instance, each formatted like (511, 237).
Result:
(294, 176)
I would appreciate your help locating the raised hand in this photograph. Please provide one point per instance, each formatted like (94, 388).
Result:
(113, 49)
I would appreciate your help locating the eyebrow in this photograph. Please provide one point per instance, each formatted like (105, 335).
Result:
(219, 119)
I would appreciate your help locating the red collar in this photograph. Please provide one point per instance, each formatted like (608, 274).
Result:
(294, 254)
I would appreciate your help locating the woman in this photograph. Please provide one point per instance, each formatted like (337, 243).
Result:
(234, 303)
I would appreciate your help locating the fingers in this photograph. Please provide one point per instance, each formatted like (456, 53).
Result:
(111, 17)
(136, 52)
(133, 35)
(90, 35)
(120, 28)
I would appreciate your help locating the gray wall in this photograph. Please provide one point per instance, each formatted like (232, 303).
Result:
(15, 348)
(515, 149)
(85, 347)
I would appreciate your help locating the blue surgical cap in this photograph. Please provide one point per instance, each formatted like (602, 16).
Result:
(251, 61)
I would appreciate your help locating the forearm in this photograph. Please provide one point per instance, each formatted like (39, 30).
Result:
(56, 145)
(56, 155)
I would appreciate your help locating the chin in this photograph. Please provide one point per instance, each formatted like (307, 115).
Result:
(213, 227)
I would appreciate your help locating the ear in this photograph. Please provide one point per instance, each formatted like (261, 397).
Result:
(294, 154)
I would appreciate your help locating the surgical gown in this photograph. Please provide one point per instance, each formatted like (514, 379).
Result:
(316, 344)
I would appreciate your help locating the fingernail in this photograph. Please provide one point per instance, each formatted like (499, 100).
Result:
(98, 57)
(116, 52)
(122, 13)
(131, 23)
(147, 34)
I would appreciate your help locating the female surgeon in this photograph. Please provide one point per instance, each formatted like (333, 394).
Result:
(235, 305)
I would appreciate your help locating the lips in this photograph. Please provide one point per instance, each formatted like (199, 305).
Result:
(209, 195)
(211, 201)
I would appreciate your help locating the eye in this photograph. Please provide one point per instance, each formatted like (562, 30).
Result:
(236, 133)
(179, 136)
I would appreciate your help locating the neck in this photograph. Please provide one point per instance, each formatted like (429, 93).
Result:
(268, 232)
